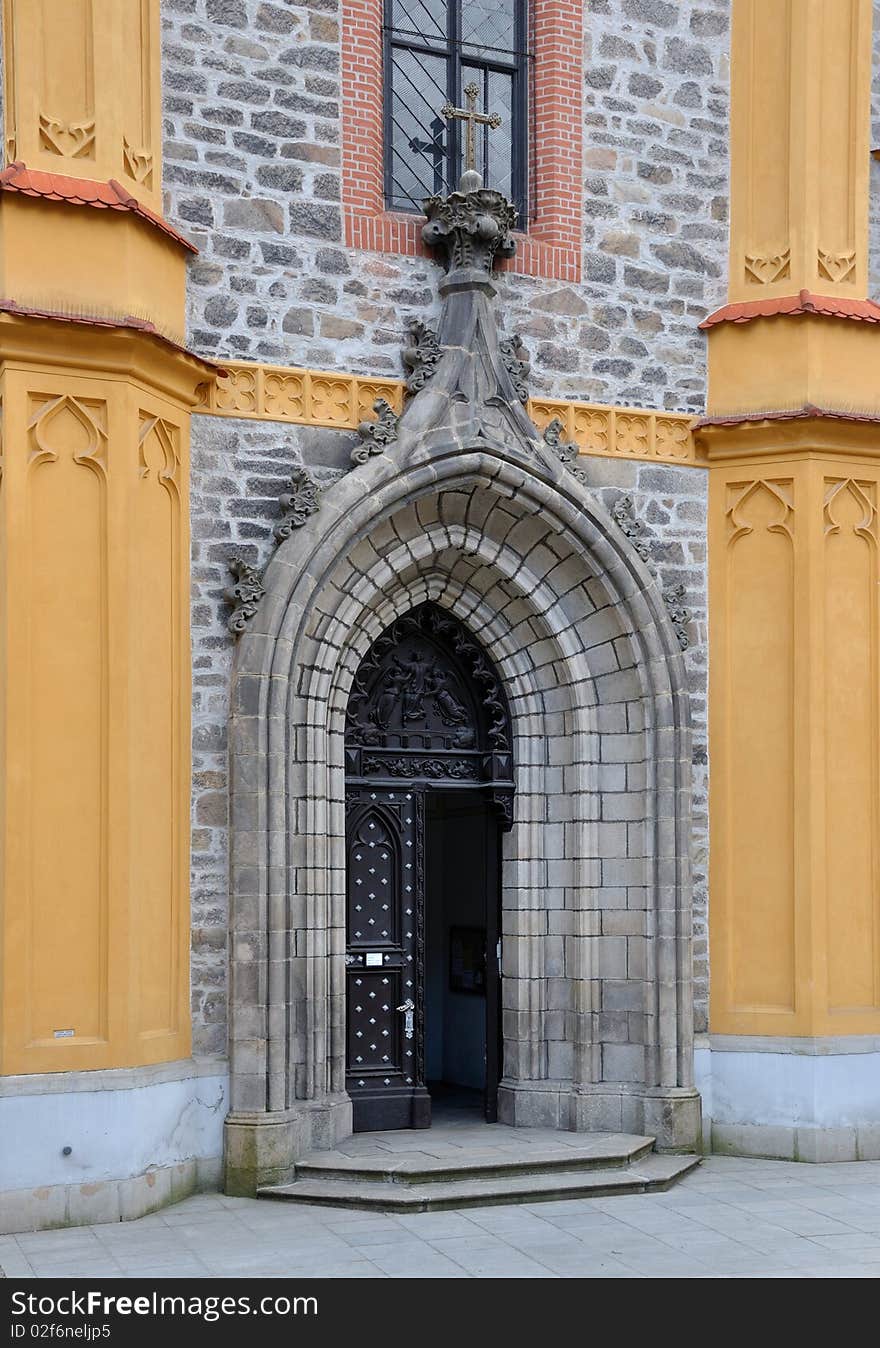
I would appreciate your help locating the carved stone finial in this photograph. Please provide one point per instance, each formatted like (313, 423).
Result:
(420, 355)
(623, 514)
(679, 615)
(244, 595)
(566, 451)
(297, 504)
(376, 435)
(517, 363)
(471, 228)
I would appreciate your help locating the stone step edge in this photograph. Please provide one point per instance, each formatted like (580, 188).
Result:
(443, 1172)
(646, 1178)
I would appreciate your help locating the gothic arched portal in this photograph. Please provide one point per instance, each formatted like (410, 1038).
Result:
(463, 504)
(595, 683)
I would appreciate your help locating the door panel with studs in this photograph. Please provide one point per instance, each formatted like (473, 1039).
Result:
(384, 958)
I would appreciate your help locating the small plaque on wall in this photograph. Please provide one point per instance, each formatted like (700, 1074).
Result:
(467, 959)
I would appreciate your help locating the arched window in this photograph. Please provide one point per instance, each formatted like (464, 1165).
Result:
(434, 50)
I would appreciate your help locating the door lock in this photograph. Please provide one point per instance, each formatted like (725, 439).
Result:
(408, 1008)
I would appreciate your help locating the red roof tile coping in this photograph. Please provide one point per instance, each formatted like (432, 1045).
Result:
(109, 195)
(806, 413)
(805, 302)
(129, 323)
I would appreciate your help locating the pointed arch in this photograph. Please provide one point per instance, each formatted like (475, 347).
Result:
(594, 678)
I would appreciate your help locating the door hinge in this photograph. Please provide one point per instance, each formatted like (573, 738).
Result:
(498, 953)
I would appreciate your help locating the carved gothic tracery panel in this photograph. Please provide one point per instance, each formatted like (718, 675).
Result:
(427, 705)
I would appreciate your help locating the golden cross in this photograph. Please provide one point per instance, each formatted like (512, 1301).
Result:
(472, 118)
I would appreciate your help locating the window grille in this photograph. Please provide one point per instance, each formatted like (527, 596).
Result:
(434, 49)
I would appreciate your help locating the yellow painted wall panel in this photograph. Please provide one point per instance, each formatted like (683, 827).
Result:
(839, 143)
(95, 715)
(67, 76)
(761, 241)
(141, 90)
(67, 691)
(794, 731)
(760, 737)
(851, 748)
(63, 899)
(111, 263)
(155, 722)
(84, 96)
(800, 115)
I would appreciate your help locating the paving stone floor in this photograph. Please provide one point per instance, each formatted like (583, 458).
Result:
(731, 1219)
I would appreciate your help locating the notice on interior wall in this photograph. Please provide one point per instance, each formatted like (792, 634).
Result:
(467, 959)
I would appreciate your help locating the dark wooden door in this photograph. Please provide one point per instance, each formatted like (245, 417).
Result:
(493, 966)
(427, 712)
(384, 959)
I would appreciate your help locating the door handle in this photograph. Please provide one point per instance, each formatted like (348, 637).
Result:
(408, 1009)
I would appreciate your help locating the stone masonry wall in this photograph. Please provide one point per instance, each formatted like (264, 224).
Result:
(239, 469)
(251, 101)
(251, 174)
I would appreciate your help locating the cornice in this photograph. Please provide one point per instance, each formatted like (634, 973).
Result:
(807, 432)
(127, 349)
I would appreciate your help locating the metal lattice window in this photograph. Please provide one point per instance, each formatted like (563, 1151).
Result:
(434, 49)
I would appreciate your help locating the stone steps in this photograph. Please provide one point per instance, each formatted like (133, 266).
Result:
(601, 1165)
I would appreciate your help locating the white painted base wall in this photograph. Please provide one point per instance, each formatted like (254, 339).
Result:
(138, 1138)
(799, 1099)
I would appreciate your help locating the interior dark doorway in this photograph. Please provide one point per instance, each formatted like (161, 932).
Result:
(429, 790)
(462, 944)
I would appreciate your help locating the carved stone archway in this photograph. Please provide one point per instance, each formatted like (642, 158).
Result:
(462, 505)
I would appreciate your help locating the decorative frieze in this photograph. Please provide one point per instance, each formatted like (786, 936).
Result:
(305, 397)
(318, 398)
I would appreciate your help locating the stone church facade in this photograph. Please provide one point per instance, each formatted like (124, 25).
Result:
(282, 418)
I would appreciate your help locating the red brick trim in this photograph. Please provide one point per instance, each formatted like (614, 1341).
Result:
(553, 246)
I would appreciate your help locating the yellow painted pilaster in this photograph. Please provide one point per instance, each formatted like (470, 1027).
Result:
(94, 545)
(795, 728)
(94, 558)
(793, 546)
(800, 82)
(82, 92)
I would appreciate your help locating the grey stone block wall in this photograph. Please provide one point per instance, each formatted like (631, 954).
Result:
(252, 174)
(239, 468)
